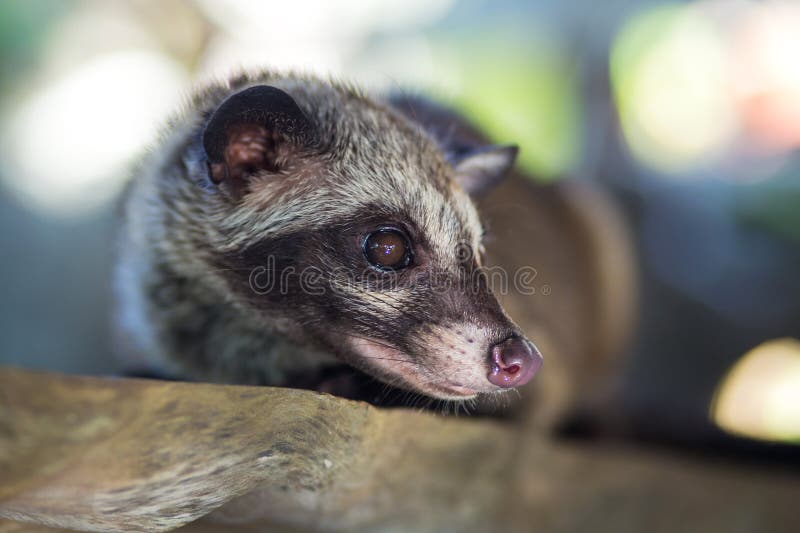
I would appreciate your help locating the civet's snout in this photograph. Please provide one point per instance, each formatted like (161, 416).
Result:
(513, 362)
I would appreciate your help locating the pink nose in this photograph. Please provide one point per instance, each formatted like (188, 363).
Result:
(513, 362)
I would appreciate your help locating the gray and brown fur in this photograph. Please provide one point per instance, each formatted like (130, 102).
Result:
(190, 246)
(581, 311)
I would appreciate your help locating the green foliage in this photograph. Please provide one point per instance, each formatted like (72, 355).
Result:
(773, 207)
(521, 90)
(23, 25)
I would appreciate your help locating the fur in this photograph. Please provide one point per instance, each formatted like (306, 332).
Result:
(195, 256)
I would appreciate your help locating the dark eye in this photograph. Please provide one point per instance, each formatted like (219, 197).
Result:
(387, 249)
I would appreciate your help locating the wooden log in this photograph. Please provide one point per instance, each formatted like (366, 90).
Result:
(94, 454)
(97, 454)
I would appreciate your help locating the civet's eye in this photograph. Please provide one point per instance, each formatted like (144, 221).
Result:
(387, 249)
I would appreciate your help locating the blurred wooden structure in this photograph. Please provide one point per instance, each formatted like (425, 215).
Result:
(102, 454)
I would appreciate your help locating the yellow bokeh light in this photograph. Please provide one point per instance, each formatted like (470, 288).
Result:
(670, 72)
(760, 395)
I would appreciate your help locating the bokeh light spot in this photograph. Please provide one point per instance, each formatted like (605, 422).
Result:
(68, 144)
(524, 92)
(760, 395)
(671, 80)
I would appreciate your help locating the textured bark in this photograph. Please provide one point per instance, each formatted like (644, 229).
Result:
(97, 454)
(136, 455)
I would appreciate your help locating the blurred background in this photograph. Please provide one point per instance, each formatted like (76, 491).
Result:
(688, 111)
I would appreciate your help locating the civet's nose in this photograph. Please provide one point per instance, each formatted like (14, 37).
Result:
(513, 362)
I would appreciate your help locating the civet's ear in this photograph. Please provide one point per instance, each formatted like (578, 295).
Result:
(478, 165)
(253, 130)
(481, 168)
